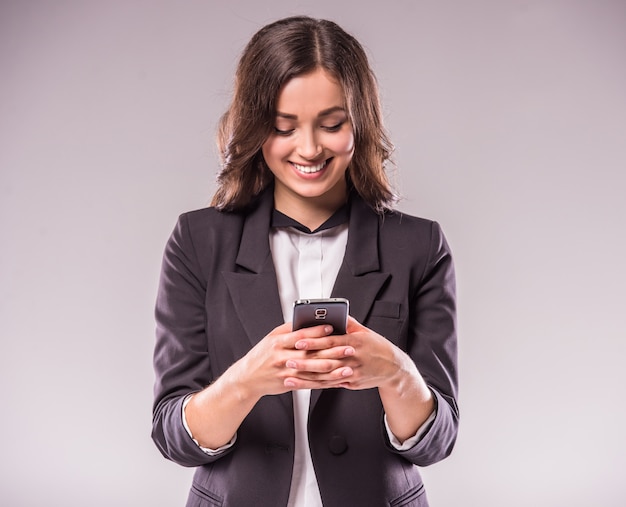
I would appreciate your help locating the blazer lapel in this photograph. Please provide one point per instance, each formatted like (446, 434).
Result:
(359, 279)
(253, 286)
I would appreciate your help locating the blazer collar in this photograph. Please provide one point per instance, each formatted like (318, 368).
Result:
(359, 278)
(361, 251)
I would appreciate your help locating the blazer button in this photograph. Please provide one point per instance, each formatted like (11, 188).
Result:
(338, 445)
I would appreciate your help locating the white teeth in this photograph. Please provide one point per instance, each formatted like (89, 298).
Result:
(308, 169)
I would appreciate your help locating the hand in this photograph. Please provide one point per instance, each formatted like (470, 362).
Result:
(360, 359)
(268, 367)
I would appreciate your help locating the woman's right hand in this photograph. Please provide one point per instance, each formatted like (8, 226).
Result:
(264, 369)
(215, 413)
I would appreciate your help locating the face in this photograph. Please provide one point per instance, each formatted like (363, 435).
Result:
(312, 144)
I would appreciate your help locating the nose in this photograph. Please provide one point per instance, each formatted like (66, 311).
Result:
(309, 147)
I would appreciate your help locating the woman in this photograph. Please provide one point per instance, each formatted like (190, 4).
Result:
(272, 416)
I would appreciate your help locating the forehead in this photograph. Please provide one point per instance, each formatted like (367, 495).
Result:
(310, 93)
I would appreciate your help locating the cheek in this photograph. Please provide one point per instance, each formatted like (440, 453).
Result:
(342, 145)
(273, 149)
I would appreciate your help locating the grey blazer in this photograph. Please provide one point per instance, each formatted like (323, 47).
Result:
(218, 296)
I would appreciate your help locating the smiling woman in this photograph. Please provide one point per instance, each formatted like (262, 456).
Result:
(303, 210)
(278, 54)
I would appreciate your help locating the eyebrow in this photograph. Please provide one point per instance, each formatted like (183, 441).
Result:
(325, 112)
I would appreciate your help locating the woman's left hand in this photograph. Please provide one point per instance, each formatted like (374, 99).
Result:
(368, 360)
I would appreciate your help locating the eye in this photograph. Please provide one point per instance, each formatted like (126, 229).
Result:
(334, 128)
(279, 132)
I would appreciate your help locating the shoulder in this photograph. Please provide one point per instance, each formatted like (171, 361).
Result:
(203, 230)
(417, 238)
(396, 229)
(209, 221)
(402, 219)
(390, 220)
(209, 217)
(395, 222)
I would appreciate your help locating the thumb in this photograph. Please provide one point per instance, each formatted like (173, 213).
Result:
(354, 325)
(282, 329)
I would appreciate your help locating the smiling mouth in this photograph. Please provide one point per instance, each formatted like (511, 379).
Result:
(311, 169)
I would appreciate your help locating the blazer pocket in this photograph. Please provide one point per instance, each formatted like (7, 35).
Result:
(414, 497)
(384, 318)
(388, 309)
(202, 497)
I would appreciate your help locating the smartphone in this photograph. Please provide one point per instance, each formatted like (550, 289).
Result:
(315, 312)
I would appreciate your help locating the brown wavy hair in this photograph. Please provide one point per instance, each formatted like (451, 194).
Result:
(279, 51)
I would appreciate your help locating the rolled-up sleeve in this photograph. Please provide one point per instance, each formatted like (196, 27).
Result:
(181, 359)
(433, 347)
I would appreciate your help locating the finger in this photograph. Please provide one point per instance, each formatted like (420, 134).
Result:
(288, 338)
(339, 352)
(333, 379)
(321, 343)
(312, 367)
(282, 329)
(303, 336)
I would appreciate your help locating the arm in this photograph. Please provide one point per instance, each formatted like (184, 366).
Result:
(432, 346)
(426, 376)
(181, 359)
(182, 364)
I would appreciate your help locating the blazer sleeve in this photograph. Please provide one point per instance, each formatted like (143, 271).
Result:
(433, 347)
(181, 359)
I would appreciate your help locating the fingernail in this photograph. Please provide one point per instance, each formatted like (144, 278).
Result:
(328, 329)
(291, 364)
(301, 345)
(349, 351)
(346, 372)
(290, 383)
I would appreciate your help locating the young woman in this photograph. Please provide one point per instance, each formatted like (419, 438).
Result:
(275, 417)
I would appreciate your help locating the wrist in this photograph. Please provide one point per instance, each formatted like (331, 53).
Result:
(237, 383)
(406, 382)
(403, 376)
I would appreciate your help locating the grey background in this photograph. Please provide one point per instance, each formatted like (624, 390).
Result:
(509, 119)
